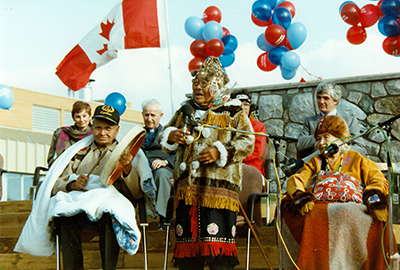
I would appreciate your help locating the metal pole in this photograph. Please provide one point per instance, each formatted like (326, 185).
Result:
(390, 180)
(169, 55)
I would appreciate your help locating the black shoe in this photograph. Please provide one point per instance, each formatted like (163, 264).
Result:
(292, 167)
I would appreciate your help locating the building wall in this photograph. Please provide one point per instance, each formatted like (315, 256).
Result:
(372, 99)
(25, 147)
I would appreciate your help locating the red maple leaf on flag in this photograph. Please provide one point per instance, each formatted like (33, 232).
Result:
(105, 33)
(105, 48)
(106, 29)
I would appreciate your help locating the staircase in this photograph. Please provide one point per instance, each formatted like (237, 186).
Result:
(14, 214)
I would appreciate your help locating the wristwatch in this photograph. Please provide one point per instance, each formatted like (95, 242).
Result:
(166, 161)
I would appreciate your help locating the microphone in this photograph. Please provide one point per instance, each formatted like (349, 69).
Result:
(186, 112)
(276, 137)
(332, 149)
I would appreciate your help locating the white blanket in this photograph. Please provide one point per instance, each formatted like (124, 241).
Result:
(35, 238)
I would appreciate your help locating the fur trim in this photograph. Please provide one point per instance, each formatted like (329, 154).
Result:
(164, 142)
(301, 198)
(223, 154)
(334, 125)
(371, 195)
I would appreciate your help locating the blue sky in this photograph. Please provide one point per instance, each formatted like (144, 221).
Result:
(35, 35)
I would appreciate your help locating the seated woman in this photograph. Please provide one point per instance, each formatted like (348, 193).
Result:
(64, 137)
(335, 212)
(255, 157)
(253, 167)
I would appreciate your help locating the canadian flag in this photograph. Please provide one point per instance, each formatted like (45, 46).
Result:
(130, 24)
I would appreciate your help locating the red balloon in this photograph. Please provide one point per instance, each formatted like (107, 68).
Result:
(275, 35)
(379, 6)
(350, 13)
(288, 45)
(391, 45)
(260, 22)
(356, 35)
(264, 64)
(197, 48)
(225, 32)
(369, 15)
(195, 63)
(289, 6)
(212, 13)
(215, 47)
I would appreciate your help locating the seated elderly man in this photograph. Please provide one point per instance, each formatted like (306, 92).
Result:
(80, 198)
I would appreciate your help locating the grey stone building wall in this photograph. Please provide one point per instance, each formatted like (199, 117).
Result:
(372, 99)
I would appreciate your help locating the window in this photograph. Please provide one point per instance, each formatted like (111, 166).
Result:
(44, 118)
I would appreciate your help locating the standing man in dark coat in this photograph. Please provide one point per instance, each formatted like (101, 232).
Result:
(161, 163)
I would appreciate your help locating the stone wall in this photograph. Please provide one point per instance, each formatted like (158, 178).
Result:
(372, 99)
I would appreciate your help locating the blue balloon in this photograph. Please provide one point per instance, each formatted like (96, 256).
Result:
(230, 43)
(211, 30)
(290, 60)
(261, 10)
(194, 27)
(278, 2)
(272, 3)
(117, 101)
(288, 74)
(344, 3)
(275, 55)
(282, 16)
(227, 60)
(391, 8)
(389, 26)
(296, 34)
(6, 97)
(263, 44)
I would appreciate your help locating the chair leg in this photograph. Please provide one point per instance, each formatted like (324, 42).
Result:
(58, 252)
(170, 212)
(248, 248)
(166, 244)
(143, 225)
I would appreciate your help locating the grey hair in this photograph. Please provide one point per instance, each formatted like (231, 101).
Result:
(151, 101)
(332, 89)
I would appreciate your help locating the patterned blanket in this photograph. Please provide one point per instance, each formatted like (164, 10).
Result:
(335, 236)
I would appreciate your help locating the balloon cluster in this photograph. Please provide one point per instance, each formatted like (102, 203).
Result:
(117, 101)
(211, 39)
(385, 12)
(6, 97)
(280, 38)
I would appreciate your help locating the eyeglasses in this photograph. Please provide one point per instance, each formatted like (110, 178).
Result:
(246, 104)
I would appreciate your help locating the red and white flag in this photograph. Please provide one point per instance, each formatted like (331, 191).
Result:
(130, 24)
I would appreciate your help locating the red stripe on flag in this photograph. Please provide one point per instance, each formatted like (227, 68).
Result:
(140, 23)
(75, 69)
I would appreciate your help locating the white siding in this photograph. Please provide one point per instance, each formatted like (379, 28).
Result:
(44, 118)
(68, 121)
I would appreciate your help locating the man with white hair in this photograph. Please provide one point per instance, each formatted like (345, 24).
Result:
(161, 163)
(328, 96)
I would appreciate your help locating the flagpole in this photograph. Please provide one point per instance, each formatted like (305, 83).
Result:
(169, 56)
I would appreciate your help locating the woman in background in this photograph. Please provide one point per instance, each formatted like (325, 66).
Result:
(64, 137)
